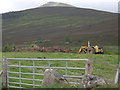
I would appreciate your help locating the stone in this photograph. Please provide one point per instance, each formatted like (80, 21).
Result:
(52, 77)
(91, 81)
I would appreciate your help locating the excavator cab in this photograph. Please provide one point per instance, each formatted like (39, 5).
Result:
(99, 50)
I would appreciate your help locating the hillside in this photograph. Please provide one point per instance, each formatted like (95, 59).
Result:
(59, 26)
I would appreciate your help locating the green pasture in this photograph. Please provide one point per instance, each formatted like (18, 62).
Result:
(105, 65)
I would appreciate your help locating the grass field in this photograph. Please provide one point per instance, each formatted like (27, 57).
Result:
(105, 65)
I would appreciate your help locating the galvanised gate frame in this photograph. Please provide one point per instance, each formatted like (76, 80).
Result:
(7, 70)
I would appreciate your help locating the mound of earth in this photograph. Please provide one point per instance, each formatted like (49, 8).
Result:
(43, 49)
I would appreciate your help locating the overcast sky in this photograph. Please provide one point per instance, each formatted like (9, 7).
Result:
(17, 5)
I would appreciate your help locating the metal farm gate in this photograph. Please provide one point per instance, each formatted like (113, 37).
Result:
(14, 73)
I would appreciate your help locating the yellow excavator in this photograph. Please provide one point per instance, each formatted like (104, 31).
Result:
(91, 49)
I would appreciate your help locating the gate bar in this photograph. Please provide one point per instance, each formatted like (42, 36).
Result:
(48, 59)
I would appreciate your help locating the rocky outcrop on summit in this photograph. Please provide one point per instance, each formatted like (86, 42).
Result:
(56, 4)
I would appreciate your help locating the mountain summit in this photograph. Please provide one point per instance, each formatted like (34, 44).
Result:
(56, 4)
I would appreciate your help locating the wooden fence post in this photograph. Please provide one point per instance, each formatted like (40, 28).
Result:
(117, 76)
(89, 67)
(1, 79)
(4, 74)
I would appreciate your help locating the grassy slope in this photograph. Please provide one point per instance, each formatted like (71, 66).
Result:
(104, 65)
(60, 24)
